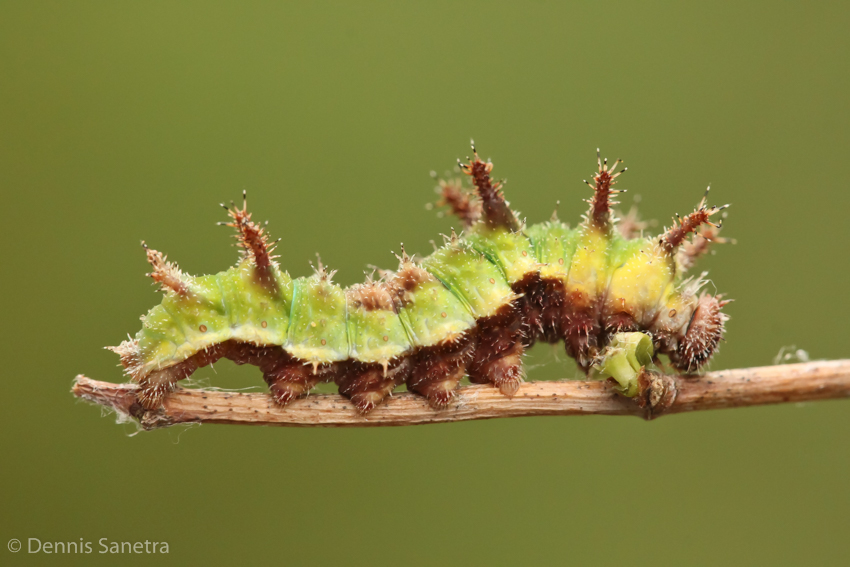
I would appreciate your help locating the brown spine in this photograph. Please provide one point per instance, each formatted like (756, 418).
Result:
(495, 209)
(603, 181)
(676, 234)
(165, 273)
(461, 203)
(692, 250)
(251, 237)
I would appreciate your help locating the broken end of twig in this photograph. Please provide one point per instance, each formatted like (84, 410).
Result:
(120, 398)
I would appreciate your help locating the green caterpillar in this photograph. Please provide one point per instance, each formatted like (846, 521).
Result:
(469, 309)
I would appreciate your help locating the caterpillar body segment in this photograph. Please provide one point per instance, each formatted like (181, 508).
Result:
(376, 332)
(469, 309)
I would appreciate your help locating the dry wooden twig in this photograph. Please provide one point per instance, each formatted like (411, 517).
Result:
(662, 395)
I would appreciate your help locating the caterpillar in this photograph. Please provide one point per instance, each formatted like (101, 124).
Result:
(471, 308)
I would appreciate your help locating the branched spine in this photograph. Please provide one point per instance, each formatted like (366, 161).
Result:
(676, 234)
(251, 237)
(461, 203)
(165, 273)
(603, 181)
(496, 211)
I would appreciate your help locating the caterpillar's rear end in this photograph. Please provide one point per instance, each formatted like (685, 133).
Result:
(469, 309)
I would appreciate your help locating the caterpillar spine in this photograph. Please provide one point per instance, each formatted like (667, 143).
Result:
(471, 308)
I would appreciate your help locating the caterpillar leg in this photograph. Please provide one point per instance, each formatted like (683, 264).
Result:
(438, 370)
(286, 376)
(497, 358)
(289, 378)
(542, 307)
(155, 386)
(368, 384)
(581, 335)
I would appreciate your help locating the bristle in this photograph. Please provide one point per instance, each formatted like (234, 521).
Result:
(165, 273)
(494, 207)
(130, 356)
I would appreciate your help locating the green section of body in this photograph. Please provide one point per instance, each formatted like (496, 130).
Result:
(471, 279)
(317, 331)
(510, 251)
(232, 304)
(553, 245)
(636, 276)
(376, 335)
(258, 312)
(589, 271)
(642, 276)
(432, 314)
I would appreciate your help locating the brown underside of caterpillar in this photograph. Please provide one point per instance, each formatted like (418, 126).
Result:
(490, 353)
(541, 307)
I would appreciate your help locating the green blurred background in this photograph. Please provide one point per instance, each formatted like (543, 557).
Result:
(129, 121)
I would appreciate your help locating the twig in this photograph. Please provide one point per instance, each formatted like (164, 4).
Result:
(666, 395)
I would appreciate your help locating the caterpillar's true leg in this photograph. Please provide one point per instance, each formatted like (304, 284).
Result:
(438, 370)
(497, 358)
(368, 384)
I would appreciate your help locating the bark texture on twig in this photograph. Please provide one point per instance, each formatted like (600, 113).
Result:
(662, 395)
